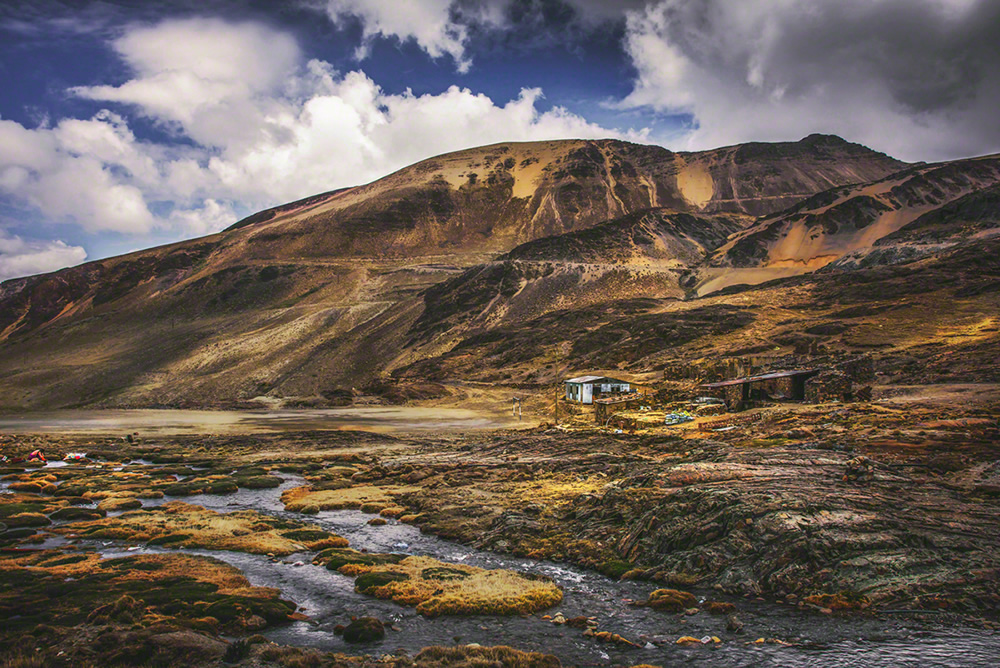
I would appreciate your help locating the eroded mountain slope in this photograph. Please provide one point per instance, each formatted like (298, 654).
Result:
(492, 198)
(929, 320)
(827, 226)
(322, 295)
(642, 255)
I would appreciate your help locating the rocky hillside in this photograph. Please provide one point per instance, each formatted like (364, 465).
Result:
(740, 182)
(492, 198)
(639, 239)
(910, 211)
(933, 319)
(321, 297)
(642, 255)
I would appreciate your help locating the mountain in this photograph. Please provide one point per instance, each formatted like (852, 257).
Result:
(909, 271)
(641, 255)
(901, 215)
(329, 293)
(926, 320)
(489, 199)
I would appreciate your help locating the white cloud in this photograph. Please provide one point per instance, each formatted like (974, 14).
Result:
(22, 258)
(210, 217)
(349, 131)
(915, 78)
(207, 77)
(428, 22)
(254, 127)
(84, 171)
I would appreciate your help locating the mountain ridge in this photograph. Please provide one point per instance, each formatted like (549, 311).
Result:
(364, 286)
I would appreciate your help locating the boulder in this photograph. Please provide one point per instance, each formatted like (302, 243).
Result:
(364, 629)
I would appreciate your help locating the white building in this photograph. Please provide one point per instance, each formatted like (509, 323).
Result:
(587, 388)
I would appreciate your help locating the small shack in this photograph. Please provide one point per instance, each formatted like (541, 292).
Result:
(609, 404)
(741, 393)
(585, 389)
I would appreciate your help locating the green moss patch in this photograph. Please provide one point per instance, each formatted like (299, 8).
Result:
(259, 482)
(179, 524)
(64, 590)
(443, 573)
(336, 558)
(367, 583)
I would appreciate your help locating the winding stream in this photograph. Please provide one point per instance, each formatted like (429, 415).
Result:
(329, 599)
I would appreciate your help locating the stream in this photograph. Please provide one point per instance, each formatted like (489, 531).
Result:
(329, 599)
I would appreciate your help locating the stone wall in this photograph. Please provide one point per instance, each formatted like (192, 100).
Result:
(829, 386)
(733, 396)
(860, 369)
(725, 368)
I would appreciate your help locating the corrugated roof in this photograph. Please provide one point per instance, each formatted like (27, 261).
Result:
(585, 379)
(766, 376)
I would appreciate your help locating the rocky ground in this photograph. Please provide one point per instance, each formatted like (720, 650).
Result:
(840, 509)
(889, 504)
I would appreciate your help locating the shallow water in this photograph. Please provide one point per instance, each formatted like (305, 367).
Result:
(329, 599)
(387, 419)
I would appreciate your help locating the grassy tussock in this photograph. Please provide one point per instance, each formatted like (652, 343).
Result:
(393, 511)
(436, 588)
(484, 657)
(229, 579)
(299, 499)
(181, 524)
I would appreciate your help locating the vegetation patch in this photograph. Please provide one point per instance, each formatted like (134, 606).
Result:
(671, 600)
(436, 588)
(118, 503)
(77, 514)
(466, 656)
(181, 524)
(61, 589)
(259, 482)
(337, 558)
(16, 504)
(211, 485)
(375, 498)
(27, 520)
(845, 600)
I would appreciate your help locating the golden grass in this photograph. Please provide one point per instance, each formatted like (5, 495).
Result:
(44, 504)
(181, 524)
(115, 503)
(465, 656)
(840, 601)
(557, 490)
(393, 511)
(438, 588)
(229, 579)
(303, 499)
(672, 600)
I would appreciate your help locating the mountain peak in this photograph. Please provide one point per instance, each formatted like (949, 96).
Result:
(818, 139)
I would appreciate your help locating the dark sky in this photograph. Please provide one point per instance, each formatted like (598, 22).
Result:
(125, 124)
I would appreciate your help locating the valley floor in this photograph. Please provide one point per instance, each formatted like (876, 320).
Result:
(812, 534)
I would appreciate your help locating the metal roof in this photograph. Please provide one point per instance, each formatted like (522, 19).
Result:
(593, 379)
(585, 379)
(766, 376)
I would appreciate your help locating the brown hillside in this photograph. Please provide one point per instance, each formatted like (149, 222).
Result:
(321, 295)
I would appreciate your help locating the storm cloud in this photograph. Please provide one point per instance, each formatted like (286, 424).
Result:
(919, 79)
(192, 116)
